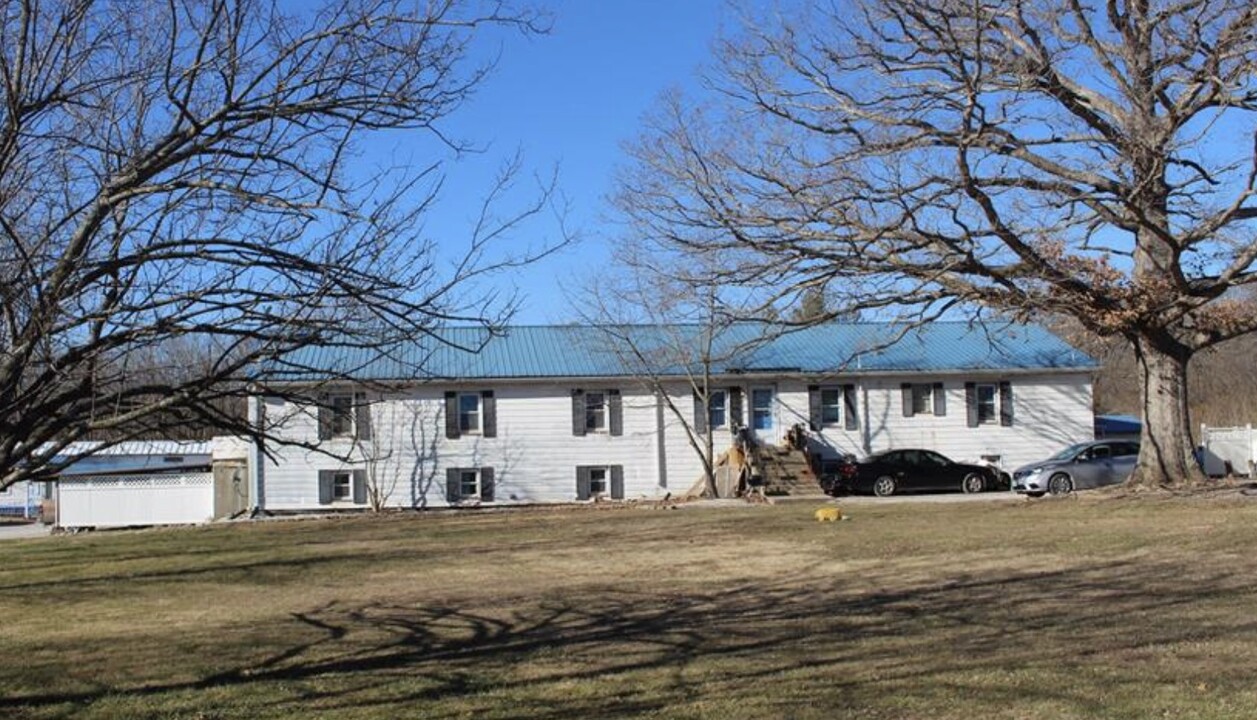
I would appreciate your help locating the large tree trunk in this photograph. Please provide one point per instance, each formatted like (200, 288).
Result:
(1165, 456)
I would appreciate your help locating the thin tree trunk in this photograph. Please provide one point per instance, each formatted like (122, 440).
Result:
(710, 467)
(1165, 457)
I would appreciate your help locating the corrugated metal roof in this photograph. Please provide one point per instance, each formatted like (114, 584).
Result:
(142, 447)
(555, 351)
(135, 456)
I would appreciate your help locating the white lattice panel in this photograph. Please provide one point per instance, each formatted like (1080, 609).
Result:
(121, 500)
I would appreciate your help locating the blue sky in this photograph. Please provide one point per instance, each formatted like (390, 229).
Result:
(570, 98)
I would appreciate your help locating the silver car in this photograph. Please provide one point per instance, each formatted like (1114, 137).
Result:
(1077, 467)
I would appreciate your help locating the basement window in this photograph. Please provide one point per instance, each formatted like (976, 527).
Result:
(342, 487)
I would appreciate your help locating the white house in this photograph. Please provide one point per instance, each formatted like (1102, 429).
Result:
(547, 414)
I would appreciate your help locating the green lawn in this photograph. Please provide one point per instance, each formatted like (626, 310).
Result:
(1091, 608)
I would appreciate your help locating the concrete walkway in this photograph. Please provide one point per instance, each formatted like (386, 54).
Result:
(20, 531)
(919, 499)
(929, 498)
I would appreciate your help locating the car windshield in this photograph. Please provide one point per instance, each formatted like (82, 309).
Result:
(1069, 452)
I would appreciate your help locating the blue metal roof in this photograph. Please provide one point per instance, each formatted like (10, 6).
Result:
(1106, 425)
(555, 351)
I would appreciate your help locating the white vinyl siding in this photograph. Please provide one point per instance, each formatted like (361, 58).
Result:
(532, 454)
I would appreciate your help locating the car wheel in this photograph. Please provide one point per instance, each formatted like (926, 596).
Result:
(884, 486)
(973, 483)
(1060, 484)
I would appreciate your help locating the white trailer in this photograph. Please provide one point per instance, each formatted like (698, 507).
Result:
(1229, 450)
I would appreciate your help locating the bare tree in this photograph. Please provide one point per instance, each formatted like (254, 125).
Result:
(668, 329)
(378, 450)
(178, 175)
(1032, 157)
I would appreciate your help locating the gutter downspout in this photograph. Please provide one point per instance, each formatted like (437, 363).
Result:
(661, 450)
(256, 457)
(867, 439)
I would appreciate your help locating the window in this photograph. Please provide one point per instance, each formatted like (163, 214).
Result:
(599, 481)
(342, 415)
(1099, 452)
(595, 412)
(988, 413)
(761, 408)
(468, 483)
(342, 487)
(922, 399)
(831, 406)
(469, 413)
(718, 409)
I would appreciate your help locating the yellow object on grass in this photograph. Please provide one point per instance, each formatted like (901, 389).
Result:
(831, 514)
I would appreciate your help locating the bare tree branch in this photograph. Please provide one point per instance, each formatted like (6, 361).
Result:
(179, 213)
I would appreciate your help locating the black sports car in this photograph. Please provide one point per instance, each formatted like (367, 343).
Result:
(892, 471)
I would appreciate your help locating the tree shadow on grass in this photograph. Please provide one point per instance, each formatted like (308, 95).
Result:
(833, 640)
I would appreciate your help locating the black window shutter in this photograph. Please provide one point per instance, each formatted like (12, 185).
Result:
(325, 487)
(451, 415)
(615, 411)
(849, 408)
(700, 415)
(735, 407)
(488, 414)
(814, 418)
(362, 416)
(261, 420)
(582, 482)
(578, 412)
(905, 390)
(451, 485)
(940, 400)
(486, 484)
(360, 487)
(617, 482)
(971, 403)
(1006, 404)
(325, 417)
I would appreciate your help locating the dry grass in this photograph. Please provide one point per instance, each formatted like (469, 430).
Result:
(1127, 608)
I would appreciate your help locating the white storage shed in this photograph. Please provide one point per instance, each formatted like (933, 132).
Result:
(138, 483)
